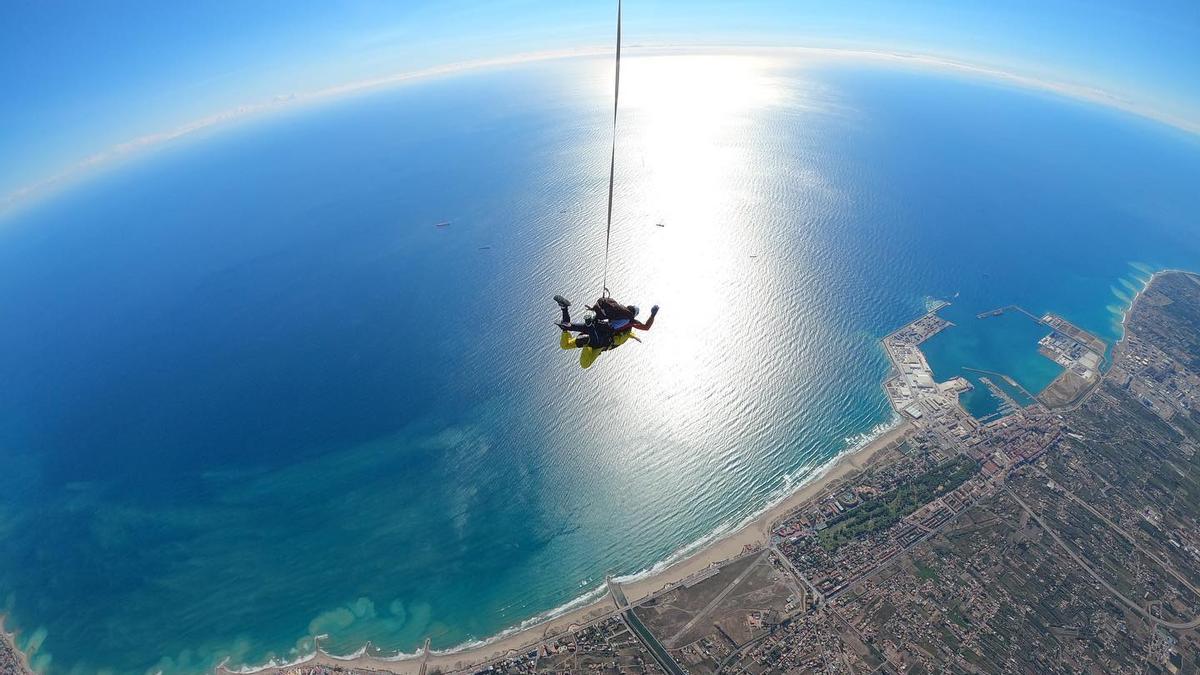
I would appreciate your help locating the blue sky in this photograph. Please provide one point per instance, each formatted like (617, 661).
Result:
(81, 77)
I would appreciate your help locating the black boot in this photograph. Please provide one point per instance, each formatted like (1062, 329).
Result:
(563, 304)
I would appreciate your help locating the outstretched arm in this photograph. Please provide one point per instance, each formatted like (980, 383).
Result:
(649, 322)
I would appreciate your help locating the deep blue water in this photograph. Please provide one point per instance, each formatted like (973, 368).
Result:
(252, 394)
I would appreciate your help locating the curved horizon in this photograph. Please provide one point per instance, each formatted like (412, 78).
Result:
(149, 142)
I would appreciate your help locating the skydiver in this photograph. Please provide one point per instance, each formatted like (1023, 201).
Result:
(606, 325)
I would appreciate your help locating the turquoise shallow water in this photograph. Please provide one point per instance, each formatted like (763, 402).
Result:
(253, 395)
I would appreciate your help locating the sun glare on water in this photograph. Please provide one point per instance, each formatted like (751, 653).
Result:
(693, 146)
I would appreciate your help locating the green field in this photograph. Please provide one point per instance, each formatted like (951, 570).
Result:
(880, 513)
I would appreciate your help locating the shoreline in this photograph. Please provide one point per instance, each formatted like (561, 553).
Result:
(8, 646)
(1137, 296)
(1128, 311)
(1133, 301)
(753, 533)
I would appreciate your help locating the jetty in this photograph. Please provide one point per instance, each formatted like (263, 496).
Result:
(912, 389)
(1078, 352)
(617, 593)
(425, 657)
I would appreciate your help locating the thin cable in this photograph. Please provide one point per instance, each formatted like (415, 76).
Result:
(612, 162)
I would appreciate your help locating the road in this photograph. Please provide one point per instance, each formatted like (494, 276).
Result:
(660, 653)
(1165, 564)
(818, 598)
(1194, 623)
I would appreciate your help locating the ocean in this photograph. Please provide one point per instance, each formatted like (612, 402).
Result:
(253, 393)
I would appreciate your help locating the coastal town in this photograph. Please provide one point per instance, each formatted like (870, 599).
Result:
(1063, 536)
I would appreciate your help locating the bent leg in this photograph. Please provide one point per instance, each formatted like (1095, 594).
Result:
(588, 356)
(568, 341)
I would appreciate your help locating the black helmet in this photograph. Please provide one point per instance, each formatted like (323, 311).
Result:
(632, 309)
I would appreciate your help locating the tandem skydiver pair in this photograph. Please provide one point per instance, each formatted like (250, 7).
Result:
(606, 325)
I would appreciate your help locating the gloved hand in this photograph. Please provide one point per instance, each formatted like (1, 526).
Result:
(654, 309)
